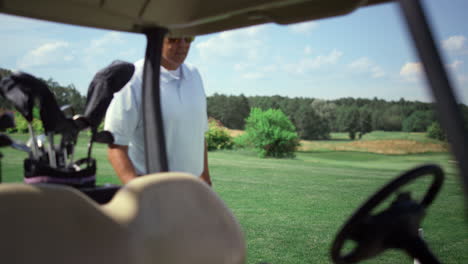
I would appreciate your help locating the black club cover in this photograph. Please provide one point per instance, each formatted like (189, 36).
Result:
(7, 120)
(17, 89)
(5, 141)
(102, 88)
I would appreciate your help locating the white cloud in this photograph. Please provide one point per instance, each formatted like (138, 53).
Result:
(331, 58)
(307, 50)
(253, 75)
(107, 41)
(377, 72)
(411, 71)
(304, 27)
(366, 65)
(270, 68)
(309, 64)
(246, 42)
(361, 64)
(104, 49)
(48, 54)
(455, 44)
(455, 65)
(240, 66)
(252, 72)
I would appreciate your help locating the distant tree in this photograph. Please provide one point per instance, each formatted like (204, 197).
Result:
(4, 73)
(290, 106)
(239, 110)
(418, 121)
(4, 104)
(352, 125)
(392, 118)
(327, 112)
(365, 122)
(310, 125)
(67, 95)
(230, 110)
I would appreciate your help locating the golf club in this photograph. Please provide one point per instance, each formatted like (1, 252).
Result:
(41, 143)
(104, 137)
(6, 141)
(7, 120)
(68, 110)
(54, 121)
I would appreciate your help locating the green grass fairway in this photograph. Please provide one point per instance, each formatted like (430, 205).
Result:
(291, 209)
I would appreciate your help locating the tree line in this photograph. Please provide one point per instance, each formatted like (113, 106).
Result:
(317, 118)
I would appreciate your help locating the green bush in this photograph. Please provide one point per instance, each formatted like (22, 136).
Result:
(37, 126)
(217, 137)
(271, 133)
(435, 131)
(242, 141)
(21, 125)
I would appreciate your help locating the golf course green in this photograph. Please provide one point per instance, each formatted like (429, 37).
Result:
(291, 209)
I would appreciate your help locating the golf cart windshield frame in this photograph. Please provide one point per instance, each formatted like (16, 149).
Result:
(448, 111)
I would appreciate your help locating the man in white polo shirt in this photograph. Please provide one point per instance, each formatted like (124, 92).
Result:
(184, 114)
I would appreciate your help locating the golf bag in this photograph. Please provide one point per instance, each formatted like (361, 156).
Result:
(36, 171)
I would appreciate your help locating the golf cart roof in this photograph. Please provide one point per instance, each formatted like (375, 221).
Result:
(181, 17)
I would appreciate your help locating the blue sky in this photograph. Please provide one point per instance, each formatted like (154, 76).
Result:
(364, 54)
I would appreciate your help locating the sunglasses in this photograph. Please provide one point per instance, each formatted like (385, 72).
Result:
(178, 40)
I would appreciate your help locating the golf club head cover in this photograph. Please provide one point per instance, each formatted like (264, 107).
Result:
(7, 120)
(104, 137)
(53, 119)
(102, 88)
(5, 141)
(18, 89)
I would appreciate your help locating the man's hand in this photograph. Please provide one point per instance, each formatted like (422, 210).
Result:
(119, 159)
(205, 176)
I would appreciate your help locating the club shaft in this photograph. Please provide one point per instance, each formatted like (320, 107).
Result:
(65, 157)
(52, 156)
(70, 162)
(35, 148)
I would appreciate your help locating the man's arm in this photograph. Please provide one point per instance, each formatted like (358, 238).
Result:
(206, 172)
(119, 159)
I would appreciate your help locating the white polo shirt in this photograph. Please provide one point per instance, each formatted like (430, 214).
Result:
(184, 114)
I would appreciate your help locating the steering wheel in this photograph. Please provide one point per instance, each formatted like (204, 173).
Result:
(395, 227)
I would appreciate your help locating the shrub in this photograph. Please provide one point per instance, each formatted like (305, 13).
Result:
(21, 125)
(271, 133)
(242, 141)
(435, 131)
(217, 137)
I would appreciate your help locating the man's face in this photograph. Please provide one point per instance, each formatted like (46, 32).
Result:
(174, 52)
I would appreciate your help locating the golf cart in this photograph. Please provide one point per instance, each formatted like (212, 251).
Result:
(136, 225)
